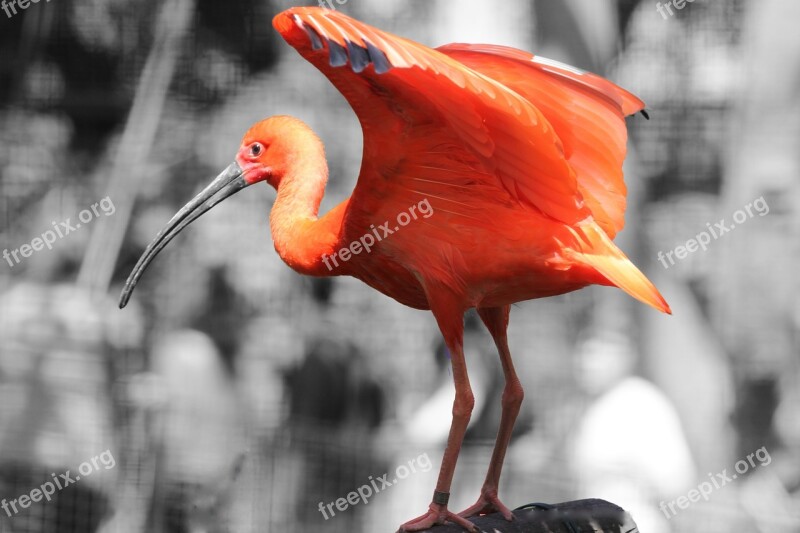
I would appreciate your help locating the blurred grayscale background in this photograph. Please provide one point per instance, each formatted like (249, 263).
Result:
(235, 395)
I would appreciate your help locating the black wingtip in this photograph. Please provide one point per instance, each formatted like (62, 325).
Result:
(645, 114)
(379, 59)
(338, 56)
(313, 36)
(359, 57)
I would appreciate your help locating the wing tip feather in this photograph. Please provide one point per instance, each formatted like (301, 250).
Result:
(358, 54)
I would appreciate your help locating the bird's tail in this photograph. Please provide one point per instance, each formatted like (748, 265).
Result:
(600, 253)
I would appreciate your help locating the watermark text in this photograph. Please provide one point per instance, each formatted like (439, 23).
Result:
(368, 240)
(10, 6)
(665, 8)
(703, 239)
(59, 482)
(59, 231)
(366, 491)
(717, 481)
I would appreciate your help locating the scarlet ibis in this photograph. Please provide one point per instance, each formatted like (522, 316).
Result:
(518, 157)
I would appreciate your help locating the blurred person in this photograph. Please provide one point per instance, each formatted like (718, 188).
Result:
(771, 495)
(335, 409)
(628, 447)
(55, 404)
(270, 344)
(269, 347)
(755, 286)
(199, 434)
(687, 70)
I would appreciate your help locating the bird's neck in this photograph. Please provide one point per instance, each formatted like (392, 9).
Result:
(301, 238)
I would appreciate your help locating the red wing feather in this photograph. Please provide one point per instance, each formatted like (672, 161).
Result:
(413, 101)
(586, 111)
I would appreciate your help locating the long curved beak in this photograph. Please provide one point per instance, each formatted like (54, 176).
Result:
(228, 183)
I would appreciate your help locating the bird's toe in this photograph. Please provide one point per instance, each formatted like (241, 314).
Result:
(487, 503)
(437, 515)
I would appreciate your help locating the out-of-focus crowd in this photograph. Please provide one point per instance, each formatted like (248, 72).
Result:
(236, 395)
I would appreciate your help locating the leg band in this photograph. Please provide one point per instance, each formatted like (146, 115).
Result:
(441, 498)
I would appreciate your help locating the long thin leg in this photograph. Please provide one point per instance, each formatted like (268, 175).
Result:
(451, 323)
(496, 320)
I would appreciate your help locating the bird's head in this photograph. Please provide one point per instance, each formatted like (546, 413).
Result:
(269, 150)
(273, 146)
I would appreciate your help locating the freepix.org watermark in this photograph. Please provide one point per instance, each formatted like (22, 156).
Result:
(10, 6)
(60, 482)
(717, 481)
(367, 241)
(703, 239)
(59, 231)
(329, 3)
(366, 491)
(667, 7)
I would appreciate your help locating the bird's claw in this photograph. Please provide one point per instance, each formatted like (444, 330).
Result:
(487, 503)
(437, 515)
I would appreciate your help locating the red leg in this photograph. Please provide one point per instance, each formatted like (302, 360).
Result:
(451, 323)
(496, 320)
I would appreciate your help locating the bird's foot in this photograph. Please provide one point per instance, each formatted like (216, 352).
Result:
(487, 503)
(437, 514)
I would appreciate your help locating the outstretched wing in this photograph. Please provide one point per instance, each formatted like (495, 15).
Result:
(433, 126)
(587, 111)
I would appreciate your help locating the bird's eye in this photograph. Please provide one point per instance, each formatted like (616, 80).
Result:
(256, 149)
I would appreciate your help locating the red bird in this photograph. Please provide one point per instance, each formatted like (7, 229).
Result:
(489, 176)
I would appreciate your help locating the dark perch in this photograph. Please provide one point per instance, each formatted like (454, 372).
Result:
(579, 516)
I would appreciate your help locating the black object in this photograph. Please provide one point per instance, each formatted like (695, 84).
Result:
(579, 516)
